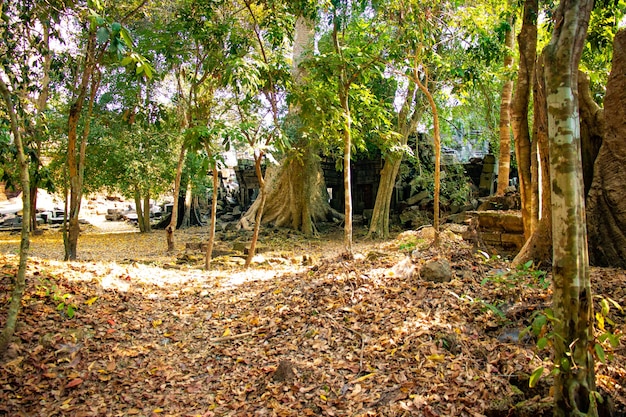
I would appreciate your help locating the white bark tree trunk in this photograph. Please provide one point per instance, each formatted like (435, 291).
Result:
(574, 385)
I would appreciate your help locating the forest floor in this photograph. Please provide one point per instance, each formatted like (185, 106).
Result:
(132, 330)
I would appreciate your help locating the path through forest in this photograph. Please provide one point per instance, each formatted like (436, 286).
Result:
(130, 330)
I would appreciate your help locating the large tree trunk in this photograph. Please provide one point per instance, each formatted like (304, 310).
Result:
(504, 163)
(296, 195)
(606, 201)
(20, 280)
(379, 224)
(592, 127)
(574, 384)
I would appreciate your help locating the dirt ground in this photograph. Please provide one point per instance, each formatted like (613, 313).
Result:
(132, 330)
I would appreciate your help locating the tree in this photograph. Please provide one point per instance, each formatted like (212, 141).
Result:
(574, 385)
(20, 279)
(606, 218)
(267, 22)
(102, 38)
(422, 81)
(538, 238)
(299, 174)
(341, 81)
(18, 73)
(504, 163)
(207, 56)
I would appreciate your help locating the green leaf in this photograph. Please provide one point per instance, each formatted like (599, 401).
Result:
(605, 307)
(116, 27)
(102, 35)
(534, 378)
(538, 323)
(542, 343)
(549, 314)
(600, 352)
(125, 35)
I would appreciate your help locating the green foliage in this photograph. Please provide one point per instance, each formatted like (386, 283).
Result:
(359, 68)
(598, 51)
(46, 289)
(542, 325)
(526, 274)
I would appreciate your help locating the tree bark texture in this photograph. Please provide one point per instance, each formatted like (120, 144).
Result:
(606, 201)
(504, 162)
(574, 385)
(296, 194)
(15, 304)
(527, 41)
(592, 127)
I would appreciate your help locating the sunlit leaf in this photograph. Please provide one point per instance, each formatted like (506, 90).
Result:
(535, 376)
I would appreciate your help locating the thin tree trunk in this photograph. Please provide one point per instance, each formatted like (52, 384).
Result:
(423, 86)
(343, 93)
(504, 163)
(169, 230)
(538, 246)
(186, 222)
(209, 249)
(259, 213)
(33, 205)
(574, 384)
(347, 174)
(76, 157)
(20, 280)
(527, 41)
(379, 224)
